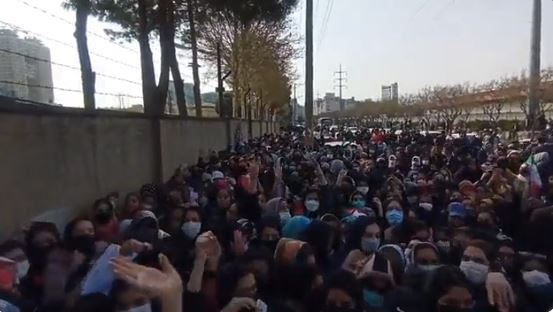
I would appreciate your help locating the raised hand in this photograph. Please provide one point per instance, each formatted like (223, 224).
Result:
(240, 304)
(207, 243)
(133, 246)
(239, 243)
(253, 168)
(156, 283)
(500, 293)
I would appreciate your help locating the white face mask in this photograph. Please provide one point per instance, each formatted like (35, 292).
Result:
(476, 273)
(426, 206)
(142, 308)
(284, 216)
(191, 229)
(22, 268)
(312, 205)
(535, 278)
(443, 245)
(363, 189)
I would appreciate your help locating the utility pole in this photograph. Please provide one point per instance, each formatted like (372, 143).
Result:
(294, 103)
(341, 79)
(309, 65)
(534, 83)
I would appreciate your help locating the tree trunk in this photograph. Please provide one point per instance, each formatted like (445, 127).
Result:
(167, 46)
(88, 77)
(146, 62)
(195, 69)
(174, 64)
(179, 87)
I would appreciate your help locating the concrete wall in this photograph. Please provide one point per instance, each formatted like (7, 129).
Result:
(52, 162)
(183, 140)
(67, 160)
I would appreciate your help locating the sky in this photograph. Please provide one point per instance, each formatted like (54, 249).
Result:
(416, 43)
(54, 26)
(420, 43)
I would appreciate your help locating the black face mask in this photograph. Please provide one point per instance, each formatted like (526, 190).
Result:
(447, 308)
(455, 254)
(84, 244)
(333, 308)
(38, 256)
(270, 244)
(486, 226)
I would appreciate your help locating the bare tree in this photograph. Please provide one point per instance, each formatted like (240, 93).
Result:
(493, 111)
(467, 111)
(447, 102)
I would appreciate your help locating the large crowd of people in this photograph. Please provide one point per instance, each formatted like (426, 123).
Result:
(383, 222)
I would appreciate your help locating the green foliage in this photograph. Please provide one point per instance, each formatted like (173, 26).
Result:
(125, 14)
(249, 11)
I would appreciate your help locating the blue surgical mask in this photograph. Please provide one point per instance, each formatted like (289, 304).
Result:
(394, 217)
(370, 244)
(475, 272)
(358, 203)
(373, 299)
(535, 278)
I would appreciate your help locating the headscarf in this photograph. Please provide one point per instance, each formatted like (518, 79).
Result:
(287, 250)
(295, 227)
(418, 245)
(397, 249)
(320, 236)
(272, 205)
(353, 240)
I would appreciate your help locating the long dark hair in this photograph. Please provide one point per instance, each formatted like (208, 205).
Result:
(229, 276)
(442, 280)
(353, 240)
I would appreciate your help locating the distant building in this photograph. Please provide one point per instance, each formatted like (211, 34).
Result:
(350, 103)
(32, 67)
(390, 92)
(318, 107)
(331, 103)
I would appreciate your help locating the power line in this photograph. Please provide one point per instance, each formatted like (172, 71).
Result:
(107, 39)
(323, 21)
(72, 23)
(66, 66)
(66, 44)
(341, 79)
(326, 19)
(65, 89)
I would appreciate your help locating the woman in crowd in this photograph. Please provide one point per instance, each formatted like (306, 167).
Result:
(287, 224)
